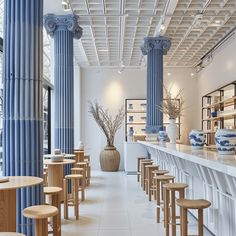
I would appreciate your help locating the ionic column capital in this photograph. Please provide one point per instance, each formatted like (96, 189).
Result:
(53, 23)
(160, 42)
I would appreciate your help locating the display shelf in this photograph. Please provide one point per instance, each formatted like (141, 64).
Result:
(135, 118)
(219, 110)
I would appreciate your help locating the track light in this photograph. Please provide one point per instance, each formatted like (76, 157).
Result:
(121, 69)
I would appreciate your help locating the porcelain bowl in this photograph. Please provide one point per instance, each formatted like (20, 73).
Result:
(197, 139)
(162, 136)
(225, 140)
(57, 158)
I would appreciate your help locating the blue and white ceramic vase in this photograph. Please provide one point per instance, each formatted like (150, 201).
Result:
(162, 136)
(197, 139)
(225, 140)
(131, 118)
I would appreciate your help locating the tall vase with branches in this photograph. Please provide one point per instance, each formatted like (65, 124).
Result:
(172, 106)
(109, 157)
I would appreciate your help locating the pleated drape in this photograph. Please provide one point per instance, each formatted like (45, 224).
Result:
(155, 48)
(23, 104)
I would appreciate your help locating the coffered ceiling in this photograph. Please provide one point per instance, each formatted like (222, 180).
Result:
(113, 30)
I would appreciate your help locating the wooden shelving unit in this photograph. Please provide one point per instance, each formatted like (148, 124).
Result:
(138, 112)
(222, 102)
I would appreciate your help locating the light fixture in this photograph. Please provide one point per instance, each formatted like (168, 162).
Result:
(169, 74)
(162, 27)
(192, 74)
(121, 69)
(65, 5)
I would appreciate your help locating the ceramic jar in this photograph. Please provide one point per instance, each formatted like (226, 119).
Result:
(131, 118)
(197, 139)
(162, 136)
(225, 140)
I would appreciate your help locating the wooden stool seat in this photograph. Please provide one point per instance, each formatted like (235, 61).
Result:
(160, 172)
(52, 190)
(164, 177)
(77, 169)
(175, 186)
(193, 203)
(40, 212)
(74, 176)
(197, 204)
(10, 234)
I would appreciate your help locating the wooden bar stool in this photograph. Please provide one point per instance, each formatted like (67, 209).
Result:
(85, 165)
(155, 173)
(187, 204)
(11, 234)
(40, 214)
(82, 182)
(45, 176)
(169, 204)
(143, 163)
(73, 198)
(54, 194)
(149, 179)
(160, 181)
(87, 159)
(138, 167)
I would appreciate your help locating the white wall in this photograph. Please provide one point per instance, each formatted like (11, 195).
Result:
(111, 89)
(220, 72)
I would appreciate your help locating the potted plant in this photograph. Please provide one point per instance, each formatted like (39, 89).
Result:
(109, 157)
(172, 106)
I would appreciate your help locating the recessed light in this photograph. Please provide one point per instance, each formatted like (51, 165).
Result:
(103, 50)
(217, 21)
(169, 74)
(192, 74)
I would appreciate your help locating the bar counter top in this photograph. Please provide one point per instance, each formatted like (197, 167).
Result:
(211, 159)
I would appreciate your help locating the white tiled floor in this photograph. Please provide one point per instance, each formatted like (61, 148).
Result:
(115, 206)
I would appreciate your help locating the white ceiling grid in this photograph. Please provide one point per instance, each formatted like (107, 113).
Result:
(113, 30)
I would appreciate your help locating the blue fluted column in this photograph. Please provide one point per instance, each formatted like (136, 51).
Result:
(63, 28)
(155, 48)
(23, 103)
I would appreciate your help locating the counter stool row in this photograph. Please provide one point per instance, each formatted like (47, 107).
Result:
(158, 183)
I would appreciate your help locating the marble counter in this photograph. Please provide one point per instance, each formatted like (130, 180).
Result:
(211, 159)
(209, 175)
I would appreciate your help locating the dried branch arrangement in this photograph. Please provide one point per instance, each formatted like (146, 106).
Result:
(108, 125)
(172, 106)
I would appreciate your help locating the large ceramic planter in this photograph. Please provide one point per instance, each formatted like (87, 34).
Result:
(172, 131)
(197, 139)
(110, 159)
(225, 140)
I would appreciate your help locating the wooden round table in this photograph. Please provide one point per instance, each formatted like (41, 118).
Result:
(48, 156)
(8, 199)
(56, 173)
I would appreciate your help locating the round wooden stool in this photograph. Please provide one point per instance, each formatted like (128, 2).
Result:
(160, 181)
(148, 181)
(169, 204)
(10, 234)
(87, 159)
(185, 204)
(155, 173)
(143, 163)
(82, 182)
(138, 167)
(54, 194)
(85, 165)
(73, 198)
(40, 214)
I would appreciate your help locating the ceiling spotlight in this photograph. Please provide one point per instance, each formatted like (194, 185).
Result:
(162, 27)
(64, 3)
(169, 74)
(121, 69)
(192, 74)
(217, 21)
